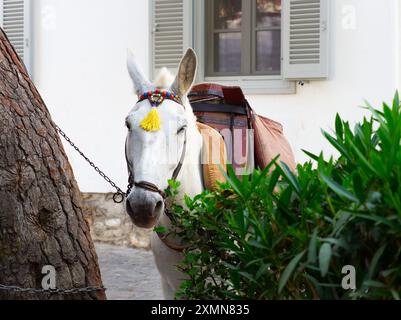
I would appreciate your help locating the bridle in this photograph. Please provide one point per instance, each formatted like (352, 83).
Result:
(156, 98)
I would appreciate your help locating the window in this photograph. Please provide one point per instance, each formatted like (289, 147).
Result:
(264, 46)
(15, 19)
(243, 37)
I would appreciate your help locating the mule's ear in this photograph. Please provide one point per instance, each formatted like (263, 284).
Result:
(141, 83)
(186, 74)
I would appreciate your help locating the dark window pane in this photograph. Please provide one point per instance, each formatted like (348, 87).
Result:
(228, 14)
(268, 6)
(227, 48)
(268, 51)
(268, 13)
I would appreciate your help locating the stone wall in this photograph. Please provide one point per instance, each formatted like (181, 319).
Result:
(111, 224)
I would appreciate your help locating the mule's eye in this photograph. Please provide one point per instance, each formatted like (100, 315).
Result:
(127, 124)
(182, 129)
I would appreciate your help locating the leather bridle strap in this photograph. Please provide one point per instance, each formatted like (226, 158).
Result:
(150, 187)
(181, 162)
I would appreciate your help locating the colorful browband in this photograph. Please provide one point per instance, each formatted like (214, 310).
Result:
(157, 96)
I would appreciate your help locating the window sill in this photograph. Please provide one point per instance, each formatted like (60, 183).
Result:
(257, 84)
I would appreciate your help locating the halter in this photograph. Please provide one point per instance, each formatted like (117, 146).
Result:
(156, 98)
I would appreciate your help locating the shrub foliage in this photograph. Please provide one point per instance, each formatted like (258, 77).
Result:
(283, 235)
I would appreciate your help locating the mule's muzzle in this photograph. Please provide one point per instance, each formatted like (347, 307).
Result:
(144, 207)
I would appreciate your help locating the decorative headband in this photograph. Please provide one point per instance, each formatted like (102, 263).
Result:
(156, 98)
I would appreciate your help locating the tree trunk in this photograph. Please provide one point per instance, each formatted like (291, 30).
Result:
(41, 216)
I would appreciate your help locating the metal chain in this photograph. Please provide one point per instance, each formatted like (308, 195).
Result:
(120, 195)
(52, 291)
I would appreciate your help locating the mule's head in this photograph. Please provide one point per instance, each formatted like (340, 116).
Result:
(156, 138)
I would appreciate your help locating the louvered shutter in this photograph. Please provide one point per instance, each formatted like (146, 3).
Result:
(167, 34)
(305, 39)
(16, 22)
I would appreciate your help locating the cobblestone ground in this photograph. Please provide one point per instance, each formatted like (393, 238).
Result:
(128, 274)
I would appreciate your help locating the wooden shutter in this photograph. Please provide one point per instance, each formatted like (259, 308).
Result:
(167, 34)
(305, 39)
(16, 22)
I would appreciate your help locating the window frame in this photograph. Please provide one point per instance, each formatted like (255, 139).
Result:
(251, 84)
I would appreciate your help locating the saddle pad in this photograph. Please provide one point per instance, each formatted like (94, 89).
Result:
(214, 155)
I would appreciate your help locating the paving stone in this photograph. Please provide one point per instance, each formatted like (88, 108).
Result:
(129, 274)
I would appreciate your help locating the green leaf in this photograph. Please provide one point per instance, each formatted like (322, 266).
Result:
(160, 230)
(174, 184)
(389, 272)
(262, 270)
(396, 101)
(234, 182)
(229, 266)
(311, 155)
(395, 294)
(289, 270)
(330, 285)
(188, 201)
(324, 258)
(312, 250)
(313, 282)
(261, 176)
(248, 276)
(274, 178)
(256, 244)
(375, 218)
(253, 262)
(358, 187)
(291, 178)
(336, 242)
(343, 220)
(339, 126)
(337, 145)
(338, 188)
(375, 260)
(376, 113)
(364, 161)
(373, 284)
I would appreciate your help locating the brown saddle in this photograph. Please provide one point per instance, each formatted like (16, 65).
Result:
(251, 140)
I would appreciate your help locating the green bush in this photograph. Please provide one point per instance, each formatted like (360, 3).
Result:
(279, 235)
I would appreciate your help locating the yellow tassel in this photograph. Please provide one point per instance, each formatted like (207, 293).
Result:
(152, 121)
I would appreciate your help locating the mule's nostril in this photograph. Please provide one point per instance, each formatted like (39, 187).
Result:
(159, 207)
(128, 207)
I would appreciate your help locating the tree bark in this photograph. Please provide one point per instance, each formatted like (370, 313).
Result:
(41, 216)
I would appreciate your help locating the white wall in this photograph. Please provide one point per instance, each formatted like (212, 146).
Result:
(80, 71)
(398, 42)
